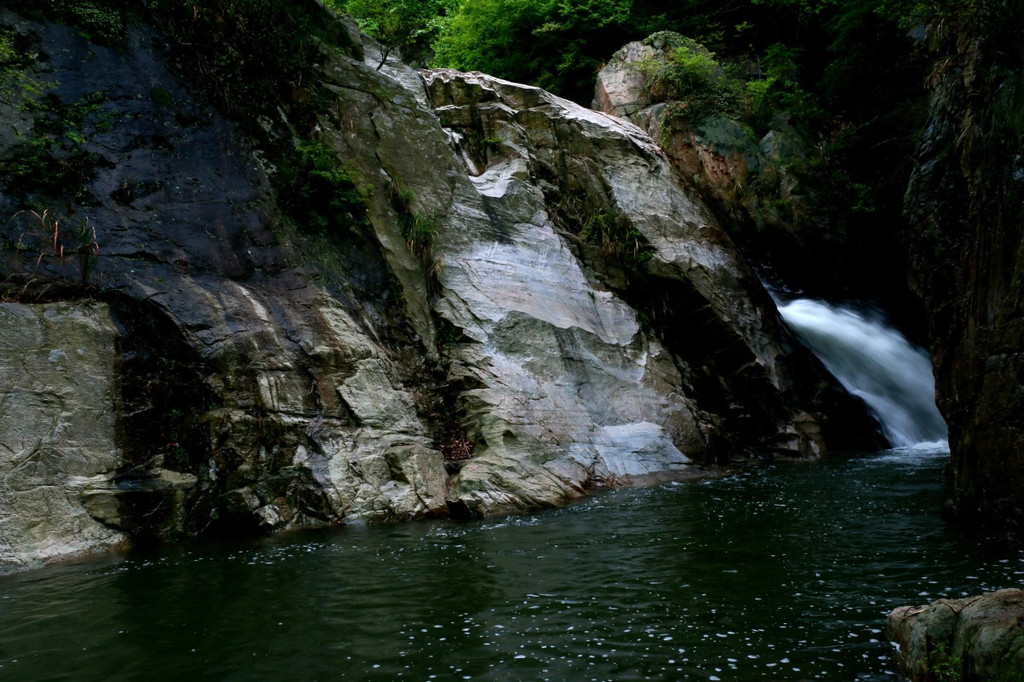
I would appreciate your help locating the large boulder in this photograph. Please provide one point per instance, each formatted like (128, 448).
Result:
(773, 182)
(567, 380)
(977, 638)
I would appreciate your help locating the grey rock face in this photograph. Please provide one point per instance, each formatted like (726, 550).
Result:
(621, 87)
(572, 318)
(57, 420)
(569, 381)
(569, 387)
(975, 638)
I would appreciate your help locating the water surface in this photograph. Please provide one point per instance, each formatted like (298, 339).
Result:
(784, 573)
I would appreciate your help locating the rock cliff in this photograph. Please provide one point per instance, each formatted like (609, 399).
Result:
(965, 206)
(366, 295)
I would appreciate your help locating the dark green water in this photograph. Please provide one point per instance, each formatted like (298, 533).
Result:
(783, 574)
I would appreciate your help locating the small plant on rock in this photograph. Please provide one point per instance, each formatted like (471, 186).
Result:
(692, 78)
(419, 229)
(618, 238)
(322, 191)
(419, 233)
(63, 239)
(943, 666)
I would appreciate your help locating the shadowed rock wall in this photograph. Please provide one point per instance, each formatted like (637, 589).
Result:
(965, 206)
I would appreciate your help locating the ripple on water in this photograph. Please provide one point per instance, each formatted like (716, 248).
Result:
(785, 574)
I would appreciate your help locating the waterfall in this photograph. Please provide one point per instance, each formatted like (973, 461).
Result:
(877, 364)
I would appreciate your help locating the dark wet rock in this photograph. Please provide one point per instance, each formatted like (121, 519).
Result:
(964, 207)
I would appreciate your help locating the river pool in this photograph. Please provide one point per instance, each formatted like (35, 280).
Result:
(781, 573)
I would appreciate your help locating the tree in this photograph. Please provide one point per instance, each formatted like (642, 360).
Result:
(556, 44)
(408, 26)
(496, 37)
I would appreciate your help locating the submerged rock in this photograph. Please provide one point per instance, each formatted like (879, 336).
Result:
(387, 296)
(975, 638)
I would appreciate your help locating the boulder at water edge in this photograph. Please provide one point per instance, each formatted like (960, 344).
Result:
(974, 639)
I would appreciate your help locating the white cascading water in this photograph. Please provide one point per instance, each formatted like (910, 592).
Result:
(877, 364)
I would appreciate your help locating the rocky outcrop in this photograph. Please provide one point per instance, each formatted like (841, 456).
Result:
(777, 186)
(57, 424)
(260, 377)
(384, 296)
(615, 404)
(749, 179)
(975, 638)
(964, 206)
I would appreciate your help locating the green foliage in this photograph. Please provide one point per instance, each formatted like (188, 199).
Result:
(101, 21)
(407, 25)
(16, 58)
(697, 86)
(580, 34)
(943, 666)
(779, 90)
(10, 58)
(693, 80)
(321, 192)
(418, 229)
(560, 44)
(420, 232)
(618, 238)
(556, 44)
(494, 36)
(56, 161)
